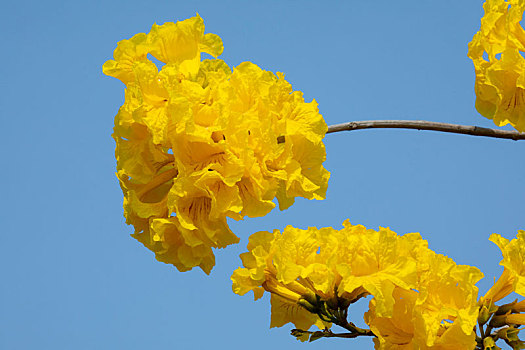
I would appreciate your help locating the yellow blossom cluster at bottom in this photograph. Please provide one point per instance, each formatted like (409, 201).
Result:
(420, 299)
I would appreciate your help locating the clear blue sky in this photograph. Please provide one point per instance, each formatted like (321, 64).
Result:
(72, 278)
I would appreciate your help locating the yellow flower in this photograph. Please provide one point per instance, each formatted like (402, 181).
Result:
(198, 143)
(377, 261)
(500, 75)
(501, 288)
(325, 270)
(439, 313)
(181, 44)
(127, 53)
(173, 244)
(513, 276)
(447, 293)
(283, 311)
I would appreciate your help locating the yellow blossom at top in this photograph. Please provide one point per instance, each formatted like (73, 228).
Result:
(326, 268)
(198, 142)
(497, 53)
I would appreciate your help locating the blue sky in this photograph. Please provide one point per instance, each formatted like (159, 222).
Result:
(73, 278)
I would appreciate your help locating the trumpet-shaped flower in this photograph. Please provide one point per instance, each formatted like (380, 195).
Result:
(181, 44)
(447, 293)
(496, 51)
(198, 143)
(513, 276)
(440, 313)
(174, 244)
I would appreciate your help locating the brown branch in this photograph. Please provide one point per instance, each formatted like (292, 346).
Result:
(426, 125)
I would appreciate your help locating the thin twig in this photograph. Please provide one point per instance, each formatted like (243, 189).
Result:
(330, 334)
(426, 125)
(326, 333)
(349, 326)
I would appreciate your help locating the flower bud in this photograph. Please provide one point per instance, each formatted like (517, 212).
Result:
(498, 321)
(508, 334)
(308, 306)
(484, 315)
(490, 344)
(506, 308)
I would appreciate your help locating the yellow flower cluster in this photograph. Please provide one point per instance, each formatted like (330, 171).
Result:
(496, 51)
(198, 143)
(420, 299)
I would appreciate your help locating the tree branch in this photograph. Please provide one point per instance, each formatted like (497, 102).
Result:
(426, 125)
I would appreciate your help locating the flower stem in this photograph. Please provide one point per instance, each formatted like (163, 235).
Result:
(349, 326)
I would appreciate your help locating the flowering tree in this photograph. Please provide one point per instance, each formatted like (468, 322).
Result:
(199, 142)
